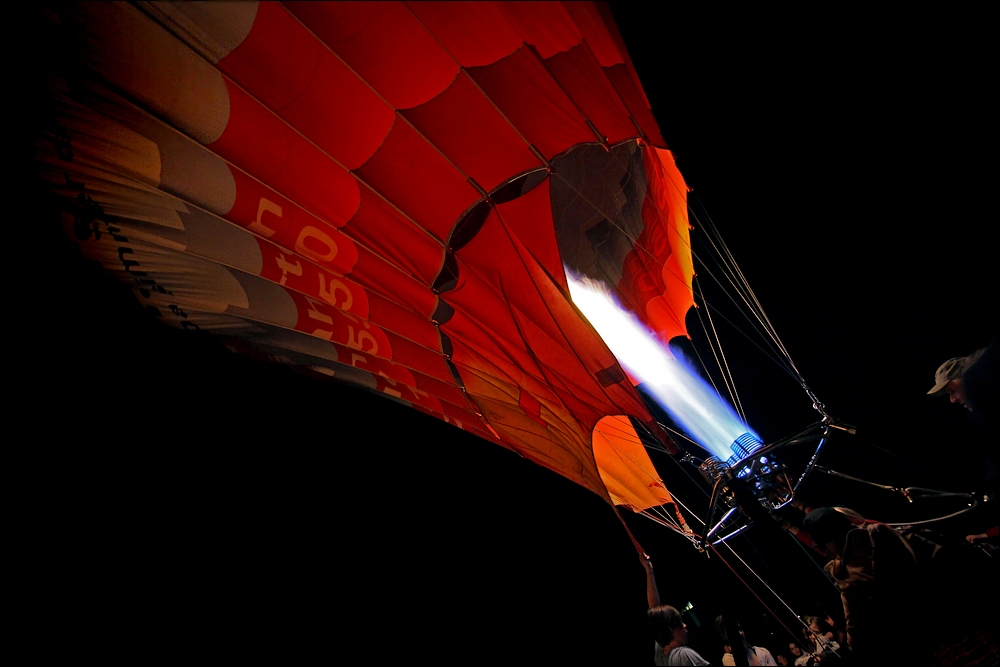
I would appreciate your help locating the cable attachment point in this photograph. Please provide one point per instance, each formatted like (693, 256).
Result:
(818, 405)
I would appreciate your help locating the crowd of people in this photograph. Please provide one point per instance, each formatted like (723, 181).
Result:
(875, 601)
(671, 639)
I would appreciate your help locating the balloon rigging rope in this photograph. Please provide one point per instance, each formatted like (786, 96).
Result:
(754, 593)
(775, 577)
(812, 560)
(674, 432)
(735, 283)
(746, 292)
(680, 504)
(754, 573)
(661, 513)
(736, 277)
(720, 358)
(777, 362)
(761, 330)
(691, 538)
(711, 344)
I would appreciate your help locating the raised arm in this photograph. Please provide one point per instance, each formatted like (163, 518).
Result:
(652, 594)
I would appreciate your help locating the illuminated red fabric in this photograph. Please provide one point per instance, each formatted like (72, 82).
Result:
(387, 193)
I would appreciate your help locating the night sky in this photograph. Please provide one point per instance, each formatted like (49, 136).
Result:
(184, 493)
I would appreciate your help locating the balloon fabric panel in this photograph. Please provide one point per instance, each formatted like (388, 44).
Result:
(294, 74)
(524, 91)
(580, 75)
(474, 33)
(385, 44)
(469, 130)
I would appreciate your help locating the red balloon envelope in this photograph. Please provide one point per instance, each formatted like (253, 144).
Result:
(387, 193)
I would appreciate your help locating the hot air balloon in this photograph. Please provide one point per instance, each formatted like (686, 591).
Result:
(387, 194)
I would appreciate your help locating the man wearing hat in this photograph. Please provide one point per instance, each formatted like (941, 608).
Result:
(948, 378)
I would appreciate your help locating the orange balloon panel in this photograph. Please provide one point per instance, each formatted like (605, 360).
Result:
(386, 194)
(627, 472)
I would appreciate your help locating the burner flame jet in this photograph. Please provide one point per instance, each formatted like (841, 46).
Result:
(690, 401)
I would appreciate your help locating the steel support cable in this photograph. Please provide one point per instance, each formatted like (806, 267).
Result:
(748, 311)
(698, 484)
(761, 331)
(662, 513)
(689, 537)
(660, 510)
(754, 593)
(730, 266)
(771, 572)
(659, 520)
(740, 283)
(735, 279)
(764, 334)
(960, 512)
(785, 367)
(677, 501)
(754, 573)
(727, 373)
(677, 518)
(759, 308)
(656, 448)
(749, 290)
(713, 343)
(776, 361)
(677, 433)
(909, 492)
(687, 509)
(726, 255)
(746, 293)
(664, 518)
(670, 522)
(812, 560)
